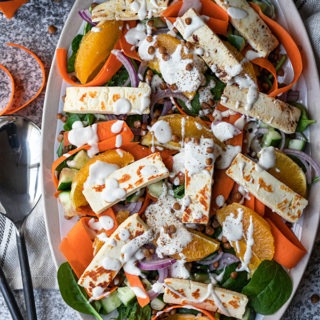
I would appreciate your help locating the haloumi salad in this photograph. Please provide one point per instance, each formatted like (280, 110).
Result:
(181, 162)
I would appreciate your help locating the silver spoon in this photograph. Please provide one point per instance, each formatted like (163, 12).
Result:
(20, 147)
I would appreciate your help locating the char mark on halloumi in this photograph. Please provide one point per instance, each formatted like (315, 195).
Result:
(128, 10)
(266, 188)
(108, 100)
(274, 112)
(249, 24)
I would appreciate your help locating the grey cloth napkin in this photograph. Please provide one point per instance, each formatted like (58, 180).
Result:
(310, 13)
(41, 263)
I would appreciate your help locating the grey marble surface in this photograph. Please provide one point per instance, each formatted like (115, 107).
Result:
(30, 28)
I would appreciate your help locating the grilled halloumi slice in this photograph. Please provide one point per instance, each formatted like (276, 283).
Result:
(199, 164)
(249, 24)
(129, 179)
(113, 254)
(226, 63)
(266, 188)
(128, 9)
(205, 296)
(108, 100)
(276, 113)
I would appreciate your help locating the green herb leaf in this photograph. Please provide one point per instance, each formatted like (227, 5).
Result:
(87, 119)
(267, 7)
(269, 288)
(119, 78)
(237, 41)
(236, 284)
(134, 312)
(304, 121)
(72, 294)
(74, 46)
(178, 192)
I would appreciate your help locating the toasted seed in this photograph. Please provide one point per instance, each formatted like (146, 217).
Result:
(52, 29)
(162, 50)
(176, 206)
(209, 230)
(234, 275)
(149, 38)
(189, 66)
(151, 50)
(209, 161)
(165, 57)
(188, 20)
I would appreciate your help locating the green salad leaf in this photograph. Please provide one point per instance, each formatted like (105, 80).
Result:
(304, 121)
(74, 46)
(269, 288)
(133, 311)
(87, 119)
(72, 293)
(236, 284)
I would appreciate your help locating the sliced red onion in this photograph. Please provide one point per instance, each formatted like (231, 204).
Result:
(308, 171)
(163, 274)
(303, 156)
(132, 207)
(142, 70)
(86, 16)
(167, 106)
(145, 118)
(150, 265)
(225, 260)
(129, 67)
(152, 295)
(167, 93)
(283, 140)
(212, 260)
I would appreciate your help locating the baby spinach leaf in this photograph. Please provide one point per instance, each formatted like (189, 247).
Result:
(74, 46)
(119, 78)
(87, 119)
(234, 284)
(304, 121)
(72, 294)
(269, 288)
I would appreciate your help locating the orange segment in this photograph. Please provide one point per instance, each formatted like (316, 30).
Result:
(289, 173)
(95, 48)
(200, 247)
(193, 128)
(263, 247)
(109, 156)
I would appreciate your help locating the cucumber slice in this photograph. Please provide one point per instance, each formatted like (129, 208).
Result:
(271, 138)
(156, 189)
(65, 200)
(297, 144)
(125, 294)
(157, 304)
(79, 160)
(111, 302)
(65, 178)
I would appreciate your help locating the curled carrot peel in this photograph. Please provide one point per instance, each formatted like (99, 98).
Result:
(10, 98)
(218, 18)
(289, 45)
(266, 64)
(134, 281)
(9, 8)
(260, 208)
(178, 306)
(126, 47)
(288, 249)
(14, 107)
(80, 236)
(109, 69)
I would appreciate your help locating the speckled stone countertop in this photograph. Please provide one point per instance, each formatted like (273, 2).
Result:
(30, 28)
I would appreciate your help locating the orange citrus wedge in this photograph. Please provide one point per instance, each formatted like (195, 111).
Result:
(263, 246)
(109, 156)
(200, 247)
(289, 173)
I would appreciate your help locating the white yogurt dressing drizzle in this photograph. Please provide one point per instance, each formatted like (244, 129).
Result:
(112, 192)
(80, 135)
(122, 106)
(237, 13)
(117, 126)
(162, 131)
(267, 158)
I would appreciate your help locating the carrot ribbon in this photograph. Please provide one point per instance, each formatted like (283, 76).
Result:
(289, 45)
(134, 281)
(6, 107)
(80, 236)
(288, 249)
(218, 18)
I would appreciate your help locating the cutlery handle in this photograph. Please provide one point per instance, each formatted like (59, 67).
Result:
(9, 297)
(26, 275)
